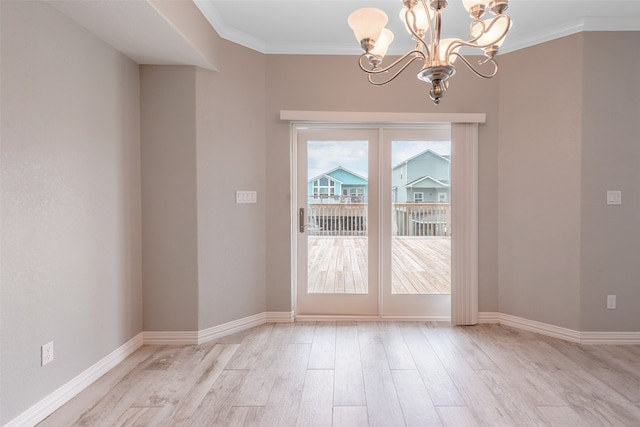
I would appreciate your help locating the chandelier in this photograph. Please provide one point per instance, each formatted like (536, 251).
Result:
(423, 20)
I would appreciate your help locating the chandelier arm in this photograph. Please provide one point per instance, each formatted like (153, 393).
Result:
(418, 54)
(475, 22)
(476, 72)
(390, 79)
(470, 42)
(452, 46)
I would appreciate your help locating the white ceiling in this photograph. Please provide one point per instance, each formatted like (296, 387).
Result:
(146, 31)
(171, 32)
(320, 26)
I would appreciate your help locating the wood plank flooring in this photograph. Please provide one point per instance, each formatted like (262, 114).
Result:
(420, 265)
(367, 374)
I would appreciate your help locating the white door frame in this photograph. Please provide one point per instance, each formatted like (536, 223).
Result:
(464, 177)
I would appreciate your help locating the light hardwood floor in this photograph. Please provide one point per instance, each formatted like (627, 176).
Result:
(420, 265)
(367, 374)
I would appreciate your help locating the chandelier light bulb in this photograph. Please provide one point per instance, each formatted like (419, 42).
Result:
(382, 45)
(367, 24)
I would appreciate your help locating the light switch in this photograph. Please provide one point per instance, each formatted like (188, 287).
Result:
(246, 197)
(614, 197)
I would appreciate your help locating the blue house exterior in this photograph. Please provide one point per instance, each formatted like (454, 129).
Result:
(339, 185)
(423, 178)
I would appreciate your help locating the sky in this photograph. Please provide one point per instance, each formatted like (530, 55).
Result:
(327, 155)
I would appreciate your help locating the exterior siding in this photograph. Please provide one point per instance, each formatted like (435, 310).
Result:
(424, 164)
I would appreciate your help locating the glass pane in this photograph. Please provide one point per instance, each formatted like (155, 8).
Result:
(337, 221)
(421, 217)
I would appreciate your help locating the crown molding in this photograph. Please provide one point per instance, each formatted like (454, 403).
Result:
(619, 23)
(574, 27)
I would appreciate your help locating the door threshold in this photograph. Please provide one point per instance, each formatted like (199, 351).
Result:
(353, 318)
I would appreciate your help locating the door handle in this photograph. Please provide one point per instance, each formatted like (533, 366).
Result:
(301, 220)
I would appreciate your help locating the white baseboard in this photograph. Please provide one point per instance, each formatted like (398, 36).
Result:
(280, 317)
(488, 317)
(229, 328)
(540, 328)
(610, 338)
(170, 337)
(571, 335)
(219, 331)
(55, 400)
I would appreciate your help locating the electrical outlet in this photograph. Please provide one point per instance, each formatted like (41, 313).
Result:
(611, 302)
(46, 353)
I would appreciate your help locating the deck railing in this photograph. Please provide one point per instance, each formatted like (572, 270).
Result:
(337, 219)
(421, 219)
(350, 219)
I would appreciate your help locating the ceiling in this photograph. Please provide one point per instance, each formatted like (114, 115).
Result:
(179, 32)
(320, 26)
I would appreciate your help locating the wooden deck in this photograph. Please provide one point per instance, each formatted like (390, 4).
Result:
(420, 265)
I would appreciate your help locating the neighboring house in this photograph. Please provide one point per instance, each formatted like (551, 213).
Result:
(423, 178)
(339, 185)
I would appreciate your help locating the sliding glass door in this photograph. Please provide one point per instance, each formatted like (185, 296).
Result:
(337, 222)
(416, 249)
(373, 221)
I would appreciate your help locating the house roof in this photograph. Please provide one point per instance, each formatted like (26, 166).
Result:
(324, 175)
(414, 183)
(422, 153)
(345, 179)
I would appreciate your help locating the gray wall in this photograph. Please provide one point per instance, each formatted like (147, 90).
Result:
(539, 176)
(565, 141)
(231, 156)
(70, 232)
(610, 245)
(169, 193)
(299, 82)
(203, 139)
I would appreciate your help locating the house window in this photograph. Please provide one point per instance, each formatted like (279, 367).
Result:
(442, 197)
(324, 187)
(418, 197)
